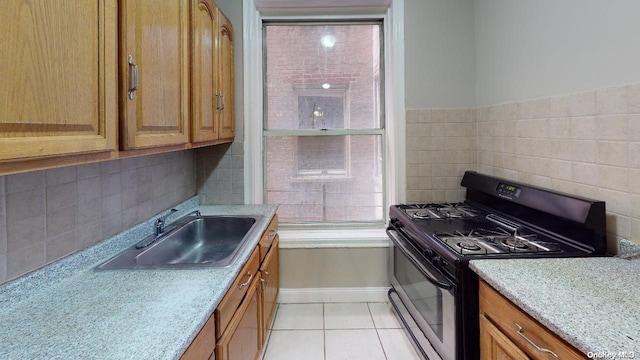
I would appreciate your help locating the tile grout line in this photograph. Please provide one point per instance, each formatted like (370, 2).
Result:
(324, 333)
(375, 326)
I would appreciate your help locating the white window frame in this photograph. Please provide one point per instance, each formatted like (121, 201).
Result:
(395, 168)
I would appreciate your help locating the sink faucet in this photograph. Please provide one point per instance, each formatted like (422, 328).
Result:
(161, 222)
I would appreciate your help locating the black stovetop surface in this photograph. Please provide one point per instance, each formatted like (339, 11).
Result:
(442, 235)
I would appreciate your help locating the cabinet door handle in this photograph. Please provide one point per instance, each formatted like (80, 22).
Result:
(543, 350)
(272, 234)
(221, 102)
(134, 79)
(248, 280)
(218, 108)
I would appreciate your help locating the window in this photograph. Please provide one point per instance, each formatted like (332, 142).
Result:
(323, 125)
(322, 155)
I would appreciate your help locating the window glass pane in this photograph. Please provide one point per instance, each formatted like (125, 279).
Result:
(320, 112)
(322, 154)
(325, 178)
(335, 67)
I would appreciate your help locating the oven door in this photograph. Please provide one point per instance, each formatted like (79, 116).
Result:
(426, 295)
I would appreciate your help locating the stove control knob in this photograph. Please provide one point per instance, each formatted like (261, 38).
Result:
(437, 261)
(428, 253)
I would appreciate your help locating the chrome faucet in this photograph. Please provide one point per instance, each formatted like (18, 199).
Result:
(161, 222)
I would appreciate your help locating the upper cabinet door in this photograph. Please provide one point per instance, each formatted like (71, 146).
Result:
(204, 70)
(154, 70)
(225, 79)
(58, 70)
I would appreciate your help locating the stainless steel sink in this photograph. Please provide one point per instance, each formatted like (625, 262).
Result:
(204, 241)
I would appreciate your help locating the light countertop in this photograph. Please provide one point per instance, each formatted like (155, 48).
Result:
(69, 311)
(592, 303)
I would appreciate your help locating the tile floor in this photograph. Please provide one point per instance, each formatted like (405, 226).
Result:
(337, 331)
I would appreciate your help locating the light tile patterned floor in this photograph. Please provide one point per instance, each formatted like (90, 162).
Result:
(337, 331)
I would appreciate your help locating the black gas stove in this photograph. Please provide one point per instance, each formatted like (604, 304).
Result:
(432, 243)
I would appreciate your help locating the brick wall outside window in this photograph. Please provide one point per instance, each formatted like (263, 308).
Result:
(325, 178)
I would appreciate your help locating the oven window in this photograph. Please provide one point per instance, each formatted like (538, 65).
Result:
(426, 297)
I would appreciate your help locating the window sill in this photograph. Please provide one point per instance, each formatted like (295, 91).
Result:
(340, 238)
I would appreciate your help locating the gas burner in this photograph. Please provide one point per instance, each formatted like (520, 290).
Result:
(515, 243)
(469, 245)
(456, 211)
(440, 211)
(452, 212)
(423, 214)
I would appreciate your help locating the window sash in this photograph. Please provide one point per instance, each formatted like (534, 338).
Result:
(393, 109)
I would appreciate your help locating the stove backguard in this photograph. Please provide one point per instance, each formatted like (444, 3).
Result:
(577, 220)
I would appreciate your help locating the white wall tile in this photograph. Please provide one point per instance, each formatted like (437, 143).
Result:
(583, 104)
(614, 153)
(612, 100)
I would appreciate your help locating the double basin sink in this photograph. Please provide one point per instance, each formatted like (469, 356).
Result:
(191, 241)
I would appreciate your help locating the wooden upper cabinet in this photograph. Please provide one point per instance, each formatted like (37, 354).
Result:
(59, 84)
(226, 93)
(211, 74)
(154, 73)
(204, 29)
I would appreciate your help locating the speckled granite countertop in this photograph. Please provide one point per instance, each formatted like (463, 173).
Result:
(69, 311)
(592, 303)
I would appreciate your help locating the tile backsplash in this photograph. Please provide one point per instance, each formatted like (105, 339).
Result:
(46, 215)
(585, 143)
(441, 145)
(220, 174)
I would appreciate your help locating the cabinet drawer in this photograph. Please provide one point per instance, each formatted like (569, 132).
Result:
(203, 346)
(236, 293)
(241, 340)
(268, 236)
(522, 329)
(496, 345)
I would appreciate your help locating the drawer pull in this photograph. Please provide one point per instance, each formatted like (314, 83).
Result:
(543, 350)
(248, 281)
(272, 234)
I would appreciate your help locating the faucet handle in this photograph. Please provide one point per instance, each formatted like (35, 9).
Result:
(159, 228)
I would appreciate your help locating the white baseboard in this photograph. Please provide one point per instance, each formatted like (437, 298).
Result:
(339, 294)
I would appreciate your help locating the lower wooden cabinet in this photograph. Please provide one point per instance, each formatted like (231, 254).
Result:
(237, 329)
(270, 281)
(241, 336)
(242, 339)
(506, 332)
(232, 300)
(203, 346)
(496, 345)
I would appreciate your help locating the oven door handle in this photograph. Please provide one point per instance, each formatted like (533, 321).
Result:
(396, 239)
